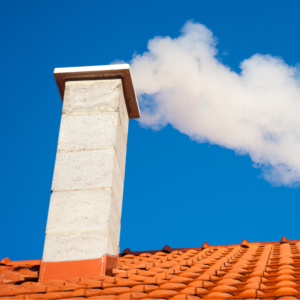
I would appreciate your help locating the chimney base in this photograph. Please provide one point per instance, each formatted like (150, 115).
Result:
(89, 268)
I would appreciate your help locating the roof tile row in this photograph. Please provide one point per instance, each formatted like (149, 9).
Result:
(230, 272)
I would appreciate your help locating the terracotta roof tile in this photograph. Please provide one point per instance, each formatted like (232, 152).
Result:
(248, 270)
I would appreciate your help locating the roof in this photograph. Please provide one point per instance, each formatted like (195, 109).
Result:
(249, 270)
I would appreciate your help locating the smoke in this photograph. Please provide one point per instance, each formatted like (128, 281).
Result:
(256, 112)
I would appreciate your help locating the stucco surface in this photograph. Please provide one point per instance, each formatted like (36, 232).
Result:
(84, 170)
(81, 210)
(92, 96)
(123, 115)
(93, 132)
(117, 185)
(87, 188)
(77, 245)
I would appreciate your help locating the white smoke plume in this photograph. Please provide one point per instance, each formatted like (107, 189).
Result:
(256, 112)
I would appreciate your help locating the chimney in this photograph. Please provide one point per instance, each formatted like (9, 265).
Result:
(83, 226)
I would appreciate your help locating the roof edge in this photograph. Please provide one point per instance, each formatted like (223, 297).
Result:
(122, 72)
(277, 243)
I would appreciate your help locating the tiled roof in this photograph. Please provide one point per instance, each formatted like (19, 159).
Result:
(246, 271)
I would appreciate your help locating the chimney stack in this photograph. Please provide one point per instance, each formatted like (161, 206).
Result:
(83, 226)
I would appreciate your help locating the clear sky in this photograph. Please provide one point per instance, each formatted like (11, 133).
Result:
(177, 191)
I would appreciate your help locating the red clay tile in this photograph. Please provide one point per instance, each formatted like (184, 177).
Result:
(197, 284)
(180, 279)
(173, 286)
(127, 282)
(205, 245)
(269, 271)
(167, 249)
(150, 288)
(105, 297)
(287, 298)
(180, 297)
(229, 281)
(249, 293)
(286, 291)
(194, 291)
(132, 296)
(224, 288)
(285, 277)
(217, 295)
(245, 243)
(116, 290)
(189, 274)
(163, 293)
(234, 275)
(286, 284)
(285, 271)
(283, 240)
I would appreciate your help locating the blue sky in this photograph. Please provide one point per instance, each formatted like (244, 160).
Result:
(177, 191)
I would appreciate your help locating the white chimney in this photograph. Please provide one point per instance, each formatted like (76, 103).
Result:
(83, 227)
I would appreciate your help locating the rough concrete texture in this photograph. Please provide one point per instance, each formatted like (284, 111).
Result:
(87, 188)
(78, 245)
(93, 132)
(117, 185)
(81, 210)
(114, 225)
(92, 96)
(95, 97)
(124, 115)
(121, 148)
(76, 215)
(85, 170)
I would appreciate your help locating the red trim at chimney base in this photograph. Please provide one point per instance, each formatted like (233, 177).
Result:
(65, 270)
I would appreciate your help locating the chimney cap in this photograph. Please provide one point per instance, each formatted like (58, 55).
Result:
(121, 71)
